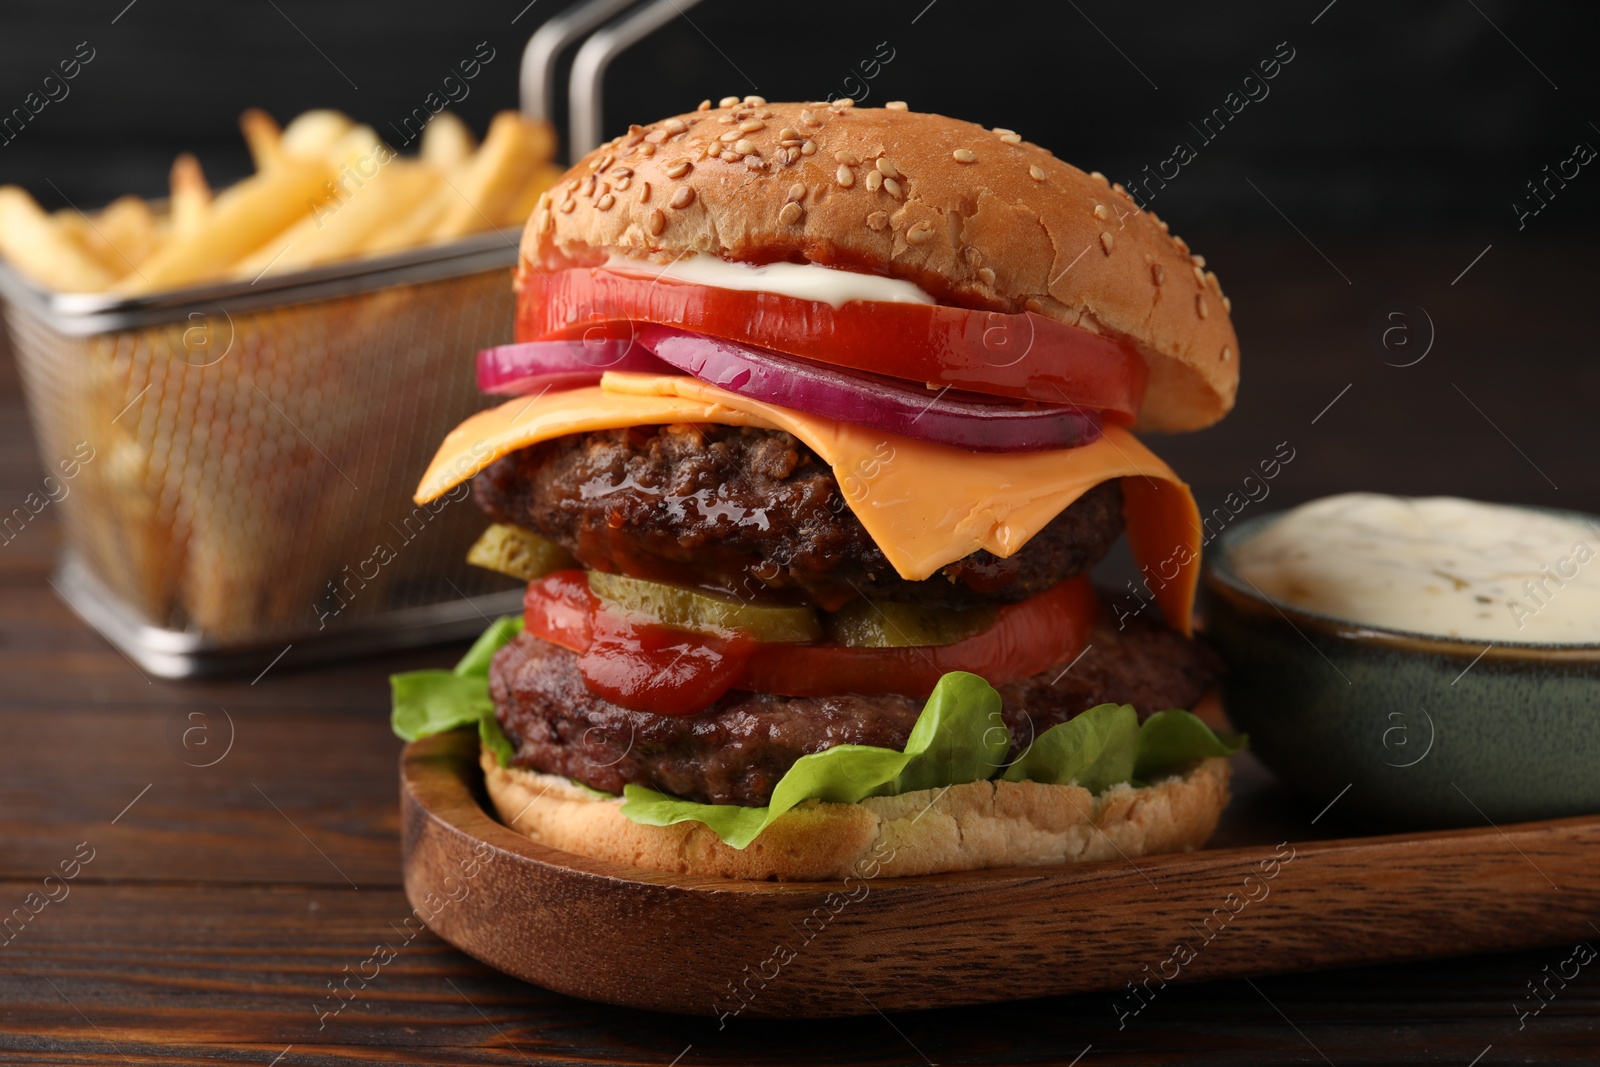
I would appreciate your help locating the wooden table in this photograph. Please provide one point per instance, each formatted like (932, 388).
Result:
(213, 907)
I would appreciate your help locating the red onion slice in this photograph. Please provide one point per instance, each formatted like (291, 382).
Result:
(535, 366)
(959, 419)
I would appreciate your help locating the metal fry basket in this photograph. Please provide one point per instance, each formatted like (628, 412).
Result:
(233, 464)
(242, 457)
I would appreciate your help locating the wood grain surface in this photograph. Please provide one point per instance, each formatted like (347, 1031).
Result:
(220, 905)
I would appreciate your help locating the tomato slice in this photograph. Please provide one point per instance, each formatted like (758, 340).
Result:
(1026, 638)
(1023, 356)
(640, 665)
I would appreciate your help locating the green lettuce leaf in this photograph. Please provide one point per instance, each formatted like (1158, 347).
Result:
(1171, 740)
(955, 740)
(424, 703)
(1096, 749)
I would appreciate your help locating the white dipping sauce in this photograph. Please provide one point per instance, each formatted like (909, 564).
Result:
(1433, 565)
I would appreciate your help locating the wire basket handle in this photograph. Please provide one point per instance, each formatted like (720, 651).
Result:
(585, 88)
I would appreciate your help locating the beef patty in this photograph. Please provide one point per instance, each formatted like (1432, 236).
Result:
(735, 751)
(756, 514)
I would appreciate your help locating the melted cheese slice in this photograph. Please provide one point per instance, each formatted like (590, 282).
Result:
(926, 505)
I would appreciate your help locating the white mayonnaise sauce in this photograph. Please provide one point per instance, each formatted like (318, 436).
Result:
(804, 281)
(1433, 565)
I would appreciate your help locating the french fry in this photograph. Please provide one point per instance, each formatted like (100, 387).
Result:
(40, 248)
(262, 134)
(490, 182)
(446, 141)
(190, 205)
(130, 231)
(360, 149)
(243, 219)
(413, 229)
(342, 228)
(314, 133)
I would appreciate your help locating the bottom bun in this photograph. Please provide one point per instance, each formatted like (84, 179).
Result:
(958, 828)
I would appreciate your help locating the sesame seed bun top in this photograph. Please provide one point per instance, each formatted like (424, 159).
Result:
(979, 218)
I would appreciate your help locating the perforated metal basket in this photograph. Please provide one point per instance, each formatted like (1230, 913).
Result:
(243, 455)
(242, 458)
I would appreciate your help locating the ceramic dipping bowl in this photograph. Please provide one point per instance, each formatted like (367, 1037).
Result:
(1404, 731)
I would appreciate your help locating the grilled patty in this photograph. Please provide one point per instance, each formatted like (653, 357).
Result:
(735, 751)
(755, 513)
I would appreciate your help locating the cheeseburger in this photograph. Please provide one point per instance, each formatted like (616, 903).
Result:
(819, 417)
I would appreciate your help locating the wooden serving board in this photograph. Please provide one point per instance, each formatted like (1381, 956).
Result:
(1269, 896)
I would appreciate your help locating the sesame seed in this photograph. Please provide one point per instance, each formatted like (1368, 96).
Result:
(1011, 138)
(678, 168)
(964, 155)
(887, 169)
(845, 176)
(844, 102)
(647, 149)
(921, 233)
(878, 220)
(725, 120)
(1102, 212)
(675, 126)
(728, 101)
(809, 148)
(797, 191)
(895, 105)
(744, 148)
(1036, 173)
(874, 180)
(791, 214)
(788, 156)
(788, 133)
(1183, 246)
(1227, 305)
(756, 101)
(1158, 273)
(1165, 228)
(986, 275)
(1002, 131)
(847, 158)
(705, 105)
(623, 183)
(1116, 187)
(683, 197)
(605, 161)
(1032, 304)
(1105, 242)
(730, 156)
(605, 202)
(588, 185)
(1211, 279)
(752, 126)
(1197, 260)
(567, 205)
(1227, 353)
(809, 117)
(644, 192)
(1200, 305)
(622, 172)
(1101, 178)
(729, 137)
(546, 221)
(1199, 275)
(891, 187)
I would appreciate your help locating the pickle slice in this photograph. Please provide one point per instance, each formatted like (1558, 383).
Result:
(689, 609)
(520, 553)
(864, 624)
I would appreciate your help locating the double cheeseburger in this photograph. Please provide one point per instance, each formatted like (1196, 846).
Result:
(819, 418)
